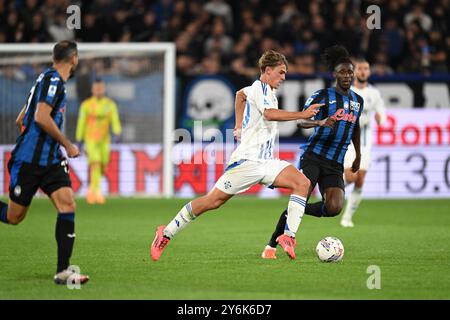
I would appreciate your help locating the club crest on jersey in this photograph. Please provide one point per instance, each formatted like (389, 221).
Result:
(342, 115)
(345, 105)
(354, 106)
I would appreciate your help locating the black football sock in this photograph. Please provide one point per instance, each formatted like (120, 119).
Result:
(317, 209)
(65, 237)
(279, 230)
(3, 212)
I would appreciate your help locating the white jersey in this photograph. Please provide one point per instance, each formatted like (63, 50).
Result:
(258, 134)
(372, 104)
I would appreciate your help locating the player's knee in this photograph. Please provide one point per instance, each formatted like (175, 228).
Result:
(14, 220)
(71, 206)
(350, 177)
(302, 185)
(333, 208)
(67, 205)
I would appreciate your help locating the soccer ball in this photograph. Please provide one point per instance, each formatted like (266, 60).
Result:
(330, 249)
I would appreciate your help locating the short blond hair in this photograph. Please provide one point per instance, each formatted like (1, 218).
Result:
(271, 58)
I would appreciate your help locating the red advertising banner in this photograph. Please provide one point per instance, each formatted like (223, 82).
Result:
(410, 158)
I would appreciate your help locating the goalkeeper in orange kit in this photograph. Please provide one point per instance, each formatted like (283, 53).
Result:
(97, 115)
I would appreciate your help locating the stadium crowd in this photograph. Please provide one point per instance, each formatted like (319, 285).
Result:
(217, 36)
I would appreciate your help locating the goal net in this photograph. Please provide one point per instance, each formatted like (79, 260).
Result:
(140, 78)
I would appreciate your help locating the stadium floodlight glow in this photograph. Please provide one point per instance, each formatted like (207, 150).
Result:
(98, 50)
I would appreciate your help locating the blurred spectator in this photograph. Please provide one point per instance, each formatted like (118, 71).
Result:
(211, 65)
(413, 38)
(145, 29)
(393, 37)
(239, 66)
(91, 30)
(348, 33)
(173, 28)
(441, 12)
(163, 10)
(395, 10)
(28, 12)
(288, 11)
(222, 9)
(304, 64)
(380, 66)
(12, 23)
(438, 53)
(118, 26)
(219, 41)
(447, 41)
(36, 31)
(415, 52)
(267, 44)
(3, 13)
(185, 64)
(58, 29)
(321, 33)
(419, 15)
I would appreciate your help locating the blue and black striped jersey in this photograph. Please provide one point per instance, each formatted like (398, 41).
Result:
(34, 145)
(329, 143)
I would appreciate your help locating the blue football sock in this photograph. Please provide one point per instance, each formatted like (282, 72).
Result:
(3, 212)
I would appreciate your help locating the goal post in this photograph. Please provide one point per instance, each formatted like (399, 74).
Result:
(159, 58)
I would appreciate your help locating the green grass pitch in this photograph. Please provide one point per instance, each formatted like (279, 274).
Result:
(218, 256)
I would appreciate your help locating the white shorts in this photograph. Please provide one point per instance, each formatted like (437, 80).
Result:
(244, 174)
(351, 154)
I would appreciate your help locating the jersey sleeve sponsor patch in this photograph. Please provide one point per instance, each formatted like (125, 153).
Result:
(49, 90)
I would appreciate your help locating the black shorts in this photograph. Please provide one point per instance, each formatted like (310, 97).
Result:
(26, 179)
(319, 170)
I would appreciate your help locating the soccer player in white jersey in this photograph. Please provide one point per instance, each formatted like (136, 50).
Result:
(373, 104)
(253, 160)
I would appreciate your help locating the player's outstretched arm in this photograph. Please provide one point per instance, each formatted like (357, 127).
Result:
(45, 121)
(309, 123)
(283, 115)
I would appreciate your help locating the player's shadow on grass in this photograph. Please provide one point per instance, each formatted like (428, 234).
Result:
(35, 276)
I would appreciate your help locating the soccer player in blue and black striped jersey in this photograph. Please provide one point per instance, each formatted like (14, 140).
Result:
(37, 162)
(336, 125)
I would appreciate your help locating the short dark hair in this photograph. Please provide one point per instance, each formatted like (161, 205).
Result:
(98, 80)
(64, 50)
(271, 58)
(335, 55)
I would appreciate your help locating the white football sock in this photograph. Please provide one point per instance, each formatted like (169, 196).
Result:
(181, 220)
(353, 201)
(296, 209)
